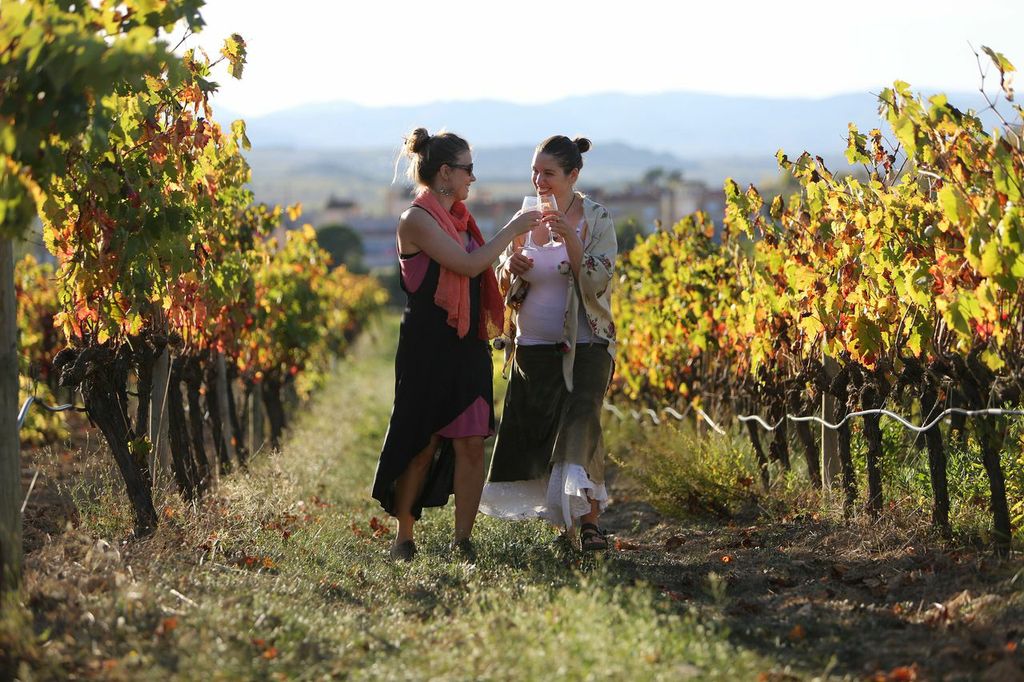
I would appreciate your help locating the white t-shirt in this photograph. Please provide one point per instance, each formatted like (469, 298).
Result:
(541, 318)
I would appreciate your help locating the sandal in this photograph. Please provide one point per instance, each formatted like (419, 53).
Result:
(592, 538)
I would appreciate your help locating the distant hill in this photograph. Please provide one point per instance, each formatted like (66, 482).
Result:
(689, 125)
(612, 162)
(287, 175)
(311, 152)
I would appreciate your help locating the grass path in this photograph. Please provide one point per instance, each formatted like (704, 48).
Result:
(283, 574)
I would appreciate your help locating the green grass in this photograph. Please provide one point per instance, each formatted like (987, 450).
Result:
(280, 575)
(683, 473)
(692, 475)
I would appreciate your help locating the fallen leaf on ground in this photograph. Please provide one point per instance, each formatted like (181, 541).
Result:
(167, 625)
(903, 673)
(675, 541)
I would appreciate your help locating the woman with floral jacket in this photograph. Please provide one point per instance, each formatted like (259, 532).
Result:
(549, 455)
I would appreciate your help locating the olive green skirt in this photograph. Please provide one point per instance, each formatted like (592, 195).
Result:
(543, 423)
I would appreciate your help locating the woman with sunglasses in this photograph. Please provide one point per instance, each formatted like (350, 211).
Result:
(443, 406)
(549, 454)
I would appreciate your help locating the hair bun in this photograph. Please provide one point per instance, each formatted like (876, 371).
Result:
(583, 144)
(416, 142)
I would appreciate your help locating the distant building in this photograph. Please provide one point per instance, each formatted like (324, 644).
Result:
(338, 212)
(377, 232)
(664, 202)
(378, 235)
(639, 202)
(397, 198)
(491, 214)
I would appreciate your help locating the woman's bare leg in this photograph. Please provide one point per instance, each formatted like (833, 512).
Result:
(589, 538)
(592, 516)
(409, 486)
(469, 483)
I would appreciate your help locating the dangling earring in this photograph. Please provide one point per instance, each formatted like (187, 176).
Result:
(444, 191)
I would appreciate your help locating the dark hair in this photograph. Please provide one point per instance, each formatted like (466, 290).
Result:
(429, 152)
(568, 153)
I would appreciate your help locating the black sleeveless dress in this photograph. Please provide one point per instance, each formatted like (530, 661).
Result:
(438, 378)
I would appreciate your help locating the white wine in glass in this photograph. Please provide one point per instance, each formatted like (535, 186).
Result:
(547, 204)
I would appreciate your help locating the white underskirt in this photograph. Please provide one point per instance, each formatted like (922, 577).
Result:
(560, 498)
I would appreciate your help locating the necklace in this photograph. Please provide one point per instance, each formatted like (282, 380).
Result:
(569, 207)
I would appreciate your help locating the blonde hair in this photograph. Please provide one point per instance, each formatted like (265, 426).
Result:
(427, 153)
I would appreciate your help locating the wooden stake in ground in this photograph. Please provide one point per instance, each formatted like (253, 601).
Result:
(10, 455)
(830, 464)
(256, 437)
(224, 404)
(160, 463)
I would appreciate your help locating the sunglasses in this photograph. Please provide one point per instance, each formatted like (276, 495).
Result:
(468, 167)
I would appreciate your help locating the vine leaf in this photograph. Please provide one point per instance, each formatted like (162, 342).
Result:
(1006, 70)
(234, 52)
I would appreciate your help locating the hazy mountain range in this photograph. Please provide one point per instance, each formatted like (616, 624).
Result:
(304, 152)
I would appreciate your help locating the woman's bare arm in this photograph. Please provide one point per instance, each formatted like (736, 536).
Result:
(418, 231)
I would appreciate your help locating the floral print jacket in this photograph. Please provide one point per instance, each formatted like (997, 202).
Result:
(592, 290)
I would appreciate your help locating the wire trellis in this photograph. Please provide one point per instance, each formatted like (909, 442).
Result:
(639, 415)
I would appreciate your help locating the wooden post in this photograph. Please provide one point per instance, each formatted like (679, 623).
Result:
(10, 454)
(160, 462)
(222, 401)
(256, 423)
(830, 465)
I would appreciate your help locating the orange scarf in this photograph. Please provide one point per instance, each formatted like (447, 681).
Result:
(453, 289)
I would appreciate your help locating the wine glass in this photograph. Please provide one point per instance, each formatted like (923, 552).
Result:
(530, 204)
(547, 204)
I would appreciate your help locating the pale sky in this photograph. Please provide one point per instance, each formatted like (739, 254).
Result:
(400, 53)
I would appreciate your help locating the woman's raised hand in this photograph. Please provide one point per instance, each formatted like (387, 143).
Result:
(524, 222)
(555, 221)
(519, 264)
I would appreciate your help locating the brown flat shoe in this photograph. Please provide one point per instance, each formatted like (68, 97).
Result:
(403, 551)
(463, 550)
